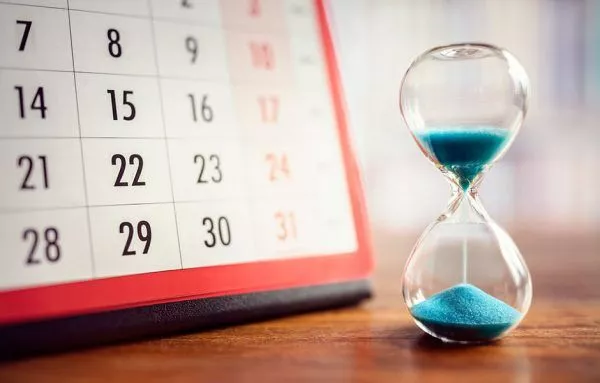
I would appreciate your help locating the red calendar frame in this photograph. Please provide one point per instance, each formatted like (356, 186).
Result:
(47, 302)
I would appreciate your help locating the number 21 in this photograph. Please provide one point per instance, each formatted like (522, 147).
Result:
(28, 162)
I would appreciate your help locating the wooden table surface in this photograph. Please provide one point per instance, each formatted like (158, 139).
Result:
(559, 340)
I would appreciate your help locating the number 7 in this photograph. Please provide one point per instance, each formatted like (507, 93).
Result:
(25, 33)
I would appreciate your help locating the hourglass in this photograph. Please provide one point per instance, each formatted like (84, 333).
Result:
(465, 280)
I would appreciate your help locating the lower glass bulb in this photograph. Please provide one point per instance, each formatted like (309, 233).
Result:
(465, 280)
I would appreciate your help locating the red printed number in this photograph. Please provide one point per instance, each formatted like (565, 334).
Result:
(269, 109)
(278, 166)
(286, 225)
(254, 9)
(262, 56)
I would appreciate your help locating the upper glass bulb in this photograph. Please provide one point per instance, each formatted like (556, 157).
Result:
(464, 104)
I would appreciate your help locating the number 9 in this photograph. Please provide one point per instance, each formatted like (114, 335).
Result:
(191, 44)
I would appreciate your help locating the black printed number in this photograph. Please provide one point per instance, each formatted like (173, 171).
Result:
(114, 48)
(186, 4)
(191, 44)
(218, 230)
(121, 161)
(51, 246)
(215, 165)
(126, 102)
(204, 110)
(37, 103)
(144, 234)
(25, 36)
(28, 162)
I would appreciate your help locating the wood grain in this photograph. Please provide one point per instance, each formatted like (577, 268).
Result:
(559, 340)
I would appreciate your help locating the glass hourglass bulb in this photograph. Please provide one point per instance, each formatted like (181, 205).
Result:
(465, 280)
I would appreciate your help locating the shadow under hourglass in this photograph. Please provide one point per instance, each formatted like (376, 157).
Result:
(413, 339)
(426, 342)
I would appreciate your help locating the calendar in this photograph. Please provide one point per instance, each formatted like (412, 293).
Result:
(160, 151)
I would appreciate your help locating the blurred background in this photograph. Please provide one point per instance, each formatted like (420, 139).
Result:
(549, 179)
(545, 191)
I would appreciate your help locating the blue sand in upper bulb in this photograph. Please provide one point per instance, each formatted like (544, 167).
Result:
(465, 313)
(462, 150)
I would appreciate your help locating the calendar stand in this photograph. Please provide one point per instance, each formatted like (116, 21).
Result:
(144, 322)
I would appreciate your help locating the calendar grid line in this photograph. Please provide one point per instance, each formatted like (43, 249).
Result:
(162, 113)
(247, 170)
(85, 191)
(258, 197)
(244, 134)
(279, 133)
(234, 30)
(32, 5)
(5, 211)
(187, 22)
(251, 83)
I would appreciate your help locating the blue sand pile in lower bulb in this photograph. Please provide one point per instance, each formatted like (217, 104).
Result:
(464, 151)
(465, 313)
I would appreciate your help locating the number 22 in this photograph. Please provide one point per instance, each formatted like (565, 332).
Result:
(123, 164)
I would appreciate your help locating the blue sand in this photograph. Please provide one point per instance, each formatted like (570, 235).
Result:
(465, 313)
(462, 150)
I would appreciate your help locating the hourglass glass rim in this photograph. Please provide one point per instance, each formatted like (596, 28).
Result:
(463, 51)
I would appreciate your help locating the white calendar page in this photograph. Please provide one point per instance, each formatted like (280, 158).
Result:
(145, 136)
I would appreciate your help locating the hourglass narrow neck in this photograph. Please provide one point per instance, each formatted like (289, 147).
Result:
(465, 206)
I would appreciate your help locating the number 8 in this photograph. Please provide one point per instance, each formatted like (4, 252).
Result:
(113, 38)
